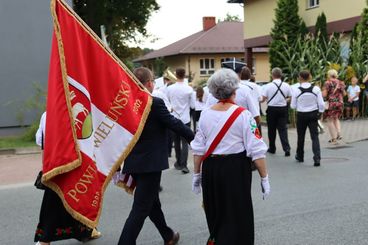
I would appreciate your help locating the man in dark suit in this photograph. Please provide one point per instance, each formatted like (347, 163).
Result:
(146, 162)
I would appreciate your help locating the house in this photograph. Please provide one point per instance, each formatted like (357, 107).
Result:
(341, 16)
(25, 29)
(201, 53)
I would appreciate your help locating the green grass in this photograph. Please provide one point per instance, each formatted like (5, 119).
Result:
(15, 142)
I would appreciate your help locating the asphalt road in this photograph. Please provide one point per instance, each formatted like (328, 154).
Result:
(308, 205)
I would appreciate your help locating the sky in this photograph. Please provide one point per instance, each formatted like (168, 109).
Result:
(178, 19)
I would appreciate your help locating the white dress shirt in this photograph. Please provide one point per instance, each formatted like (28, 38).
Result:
(240, 136)
(307, 102)
(206, 92)
(243, 98)
(295, 88)
(198, 105)
(255, 92)
(158, 93)
(163, 89)
(181, 100)
(41, 130)
(270, 89)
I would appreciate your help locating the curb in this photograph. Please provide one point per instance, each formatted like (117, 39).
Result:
(20, 151)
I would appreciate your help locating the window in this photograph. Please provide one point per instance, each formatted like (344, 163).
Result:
(313, 3)
(226, 59)
(206, 67)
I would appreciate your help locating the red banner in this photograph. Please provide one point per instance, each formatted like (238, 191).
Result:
(96, 111)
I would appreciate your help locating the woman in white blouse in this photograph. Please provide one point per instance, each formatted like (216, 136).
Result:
(225, 175)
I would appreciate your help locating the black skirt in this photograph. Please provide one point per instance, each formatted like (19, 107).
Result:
(226, 183)
(56, 223)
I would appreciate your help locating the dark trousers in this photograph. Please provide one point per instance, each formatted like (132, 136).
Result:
(277, 120)
(308, 120)
(170, 142)
(181, 150)
(146, 204)
(197, 115)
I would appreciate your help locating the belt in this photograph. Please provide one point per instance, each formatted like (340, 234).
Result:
(219, 155)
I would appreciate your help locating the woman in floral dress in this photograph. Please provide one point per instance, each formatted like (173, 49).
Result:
(333, 92)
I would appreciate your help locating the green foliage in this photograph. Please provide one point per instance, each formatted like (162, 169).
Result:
(287, 28)
(321, 27)
(159, 66)
(124, 21)
(36, 104)
(202, 83)
(359, 46)
(15, 142)
(303, 29)
(231, 18)
(321, 31)
(353, 37)
(307, 54)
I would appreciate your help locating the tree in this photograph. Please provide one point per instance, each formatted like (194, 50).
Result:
(124, 21)
(287, 28)
(359, 46)
(321, 31)
(321, 27)
(231, 18)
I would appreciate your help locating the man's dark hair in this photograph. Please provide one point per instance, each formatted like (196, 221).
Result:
(180, 73)
(143, 74)
(305, 75)
(245, 73)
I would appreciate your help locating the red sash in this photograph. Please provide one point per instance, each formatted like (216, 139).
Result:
(223, 131)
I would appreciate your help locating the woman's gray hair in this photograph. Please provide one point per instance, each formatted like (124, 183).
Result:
(223, 83)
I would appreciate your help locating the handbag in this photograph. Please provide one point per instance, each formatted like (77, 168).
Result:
(38, 183)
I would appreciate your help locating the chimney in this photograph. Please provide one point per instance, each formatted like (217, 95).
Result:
(208, 22)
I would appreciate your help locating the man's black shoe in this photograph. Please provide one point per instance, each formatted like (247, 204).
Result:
(298, 158)
(287, 153)
(176, 166)
(271, 151)
(317, 164)
(185, 170)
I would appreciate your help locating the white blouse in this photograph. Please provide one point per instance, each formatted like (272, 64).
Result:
(41, 130)
(242, 135)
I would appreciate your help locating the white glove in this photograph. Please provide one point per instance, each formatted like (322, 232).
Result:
(116, 177)
(196, 183)
(266, 189)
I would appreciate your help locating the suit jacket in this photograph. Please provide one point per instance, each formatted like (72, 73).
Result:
(150, 154)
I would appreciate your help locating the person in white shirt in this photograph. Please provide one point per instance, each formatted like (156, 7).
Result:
(205, 94)
(308, 102)
(353, 92)
(255, 92)
(225, 175)
(159, 94)
(243, 98)
(199, 105)
(169, 79)
(277, 94)
(181, 99)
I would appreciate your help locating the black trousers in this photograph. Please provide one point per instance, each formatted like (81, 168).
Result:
(277, 120)
(181, 150)
(146, 204)
(308, 120)
(170, 142)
